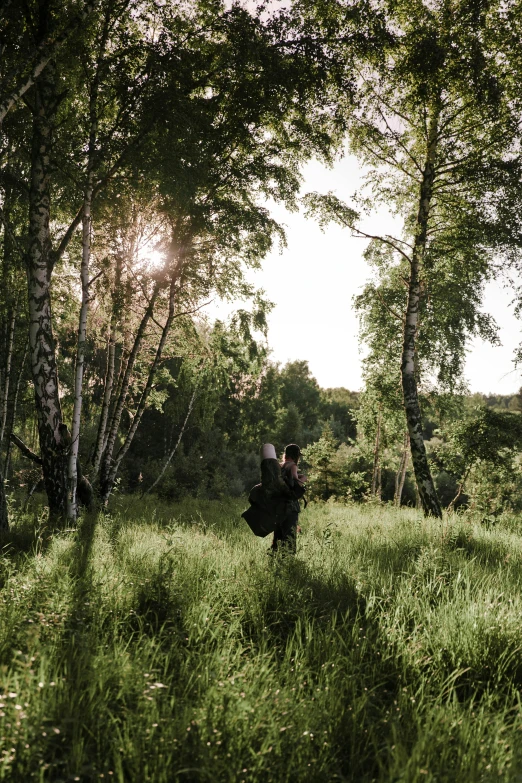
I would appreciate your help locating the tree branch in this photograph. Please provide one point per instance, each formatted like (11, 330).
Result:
(387, 240)
(93, 279)
(387, 306)
(47, 50)
(26, 451)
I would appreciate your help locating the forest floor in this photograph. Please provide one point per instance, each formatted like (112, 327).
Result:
(161, 643)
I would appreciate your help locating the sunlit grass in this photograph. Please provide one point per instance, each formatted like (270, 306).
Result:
(161, 643)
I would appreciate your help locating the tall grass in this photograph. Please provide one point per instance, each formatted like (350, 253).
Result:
(161, 643)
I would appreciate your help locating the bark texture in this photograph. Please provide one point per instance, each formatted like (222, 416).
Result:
(14, 406)
(39, 264)
(7, 375)
(75, 476)
(425, 485)
(376, 475)
(6, 380)
(72, 473)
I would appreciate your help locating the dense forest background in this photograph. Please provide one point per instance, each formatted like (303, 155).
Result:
(201, 437)
(142, 146)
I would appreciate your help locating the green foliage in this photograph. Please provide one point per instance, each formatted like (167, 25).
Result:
(298, 386)
(336, 471)
(289, 425)
(320, 456)
(481, 454)
(435, 121)
(487, 436)
(180, 121)
(338, 408)
(494, 489)
(159, 642)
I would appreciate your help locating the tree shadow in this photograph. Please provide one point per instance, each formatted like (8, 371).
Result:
(296, 604)
(72, 660)
(490, 554)
(159, 608)
(30, 533)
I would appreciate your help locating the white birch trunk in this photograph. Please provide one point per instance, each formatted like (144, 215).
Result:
(400, 476)
(7, 376)
(425, 485)
(109, 374)
(72, 472)
(39, 264)
(72, 468)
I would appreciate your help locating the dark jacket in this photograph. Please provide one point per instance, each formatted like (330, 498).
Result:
(272, 500)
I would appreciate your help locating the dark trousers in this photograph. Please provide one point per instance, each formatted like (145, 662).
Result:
(285, 533)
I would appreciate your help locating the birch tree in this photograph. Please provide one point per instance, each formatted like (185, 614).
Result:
(244, 141)
(439, 136)
(224, 86)
(57, 166)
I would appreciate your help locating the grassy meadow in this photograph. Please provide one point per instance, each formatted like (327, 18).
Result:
(161, 643)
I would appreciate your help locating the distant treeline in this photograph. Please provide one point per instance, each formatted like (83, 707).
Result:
(202, 437)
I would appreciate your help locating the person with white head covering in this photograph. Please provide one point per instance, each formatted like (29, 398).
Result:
(275, 502)
(285, 532)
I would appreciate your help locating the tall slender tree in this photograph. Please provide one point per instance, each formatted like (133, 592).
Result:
(439, 134)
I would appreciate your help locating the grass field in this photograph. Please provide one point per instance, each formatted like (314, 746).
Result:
(161, 643)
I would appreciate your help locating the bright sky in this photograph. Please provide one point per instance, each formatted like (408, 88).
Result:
(314, 280)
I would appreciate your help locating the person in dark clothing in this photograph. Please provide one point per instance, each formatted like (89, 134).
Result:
(285, 533)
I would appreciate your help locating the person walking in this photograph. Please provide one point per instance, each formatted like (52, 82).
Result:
(285, 533)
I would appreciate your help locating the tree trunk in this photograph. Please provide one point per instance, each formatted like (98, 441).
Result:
(425, 485)
(42, 349)
(8, 334)
(122, 320)
(4, 515)
(176, 446)
(72, 473)
(400, 476)
(12, 418)
(111, 364)
(7, 375)
(111, 477)
(9, 339)
(106, 466)
(376, 458)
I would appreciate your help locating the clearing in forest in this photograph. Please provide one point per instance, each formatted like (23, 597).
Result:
(161, 643)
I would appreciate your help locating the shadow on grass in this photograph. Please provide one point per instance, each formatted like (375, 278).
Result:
(73, 662)
(159, 608)
(490, 554)
(29, 534)
(324, 617)
(295, 593)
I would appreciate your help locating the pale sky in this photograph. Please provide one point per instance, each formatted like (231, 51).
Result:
(313, 282)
